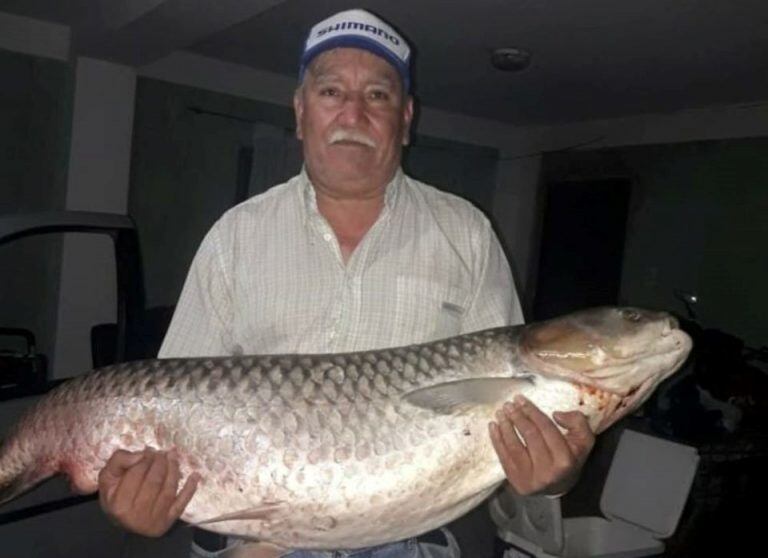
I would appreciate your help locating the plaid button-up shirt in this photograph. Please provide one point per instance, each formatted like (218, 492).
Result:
(269, 277)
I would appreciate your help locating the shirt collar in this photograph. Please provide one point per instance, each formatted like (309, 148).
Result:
(309, 196)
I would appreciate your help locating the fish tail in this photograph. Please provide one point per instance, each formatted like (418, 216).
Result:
(18, 471)
(9, 477)
(10, 488)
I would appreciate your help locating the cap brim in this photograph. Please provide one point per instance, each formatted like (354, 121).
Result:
(355, 42)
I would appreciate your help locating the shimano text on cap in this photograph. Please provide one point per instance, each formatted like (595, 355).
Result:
(358, 29)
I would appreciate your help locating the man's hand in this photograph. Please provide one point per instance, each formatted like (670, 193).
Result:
(138, 490)
(545, 461)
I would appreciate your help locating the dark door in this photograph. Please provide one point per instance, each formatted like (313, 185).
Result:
(582, 246)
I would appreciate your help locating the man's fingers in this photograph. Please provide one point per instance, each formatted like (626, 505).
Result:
(498, 444)
(183, 498)
(145, 499)
(128, 488)
(507, 460)
(513, 454)
(170, 485)
(558, 449)
(545, 425)
(112, 473)
(535, 454)
(153, 481)
(508, 434)
(572, 421)
(535, 444)
(114, 469)
(579, 434)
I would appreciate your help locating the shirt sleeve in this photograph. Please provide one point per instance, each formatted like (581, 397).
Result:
(201, 324)
(495, 302)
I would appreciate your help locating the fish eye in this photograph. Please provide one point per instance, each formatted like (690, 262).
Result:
(631, 315)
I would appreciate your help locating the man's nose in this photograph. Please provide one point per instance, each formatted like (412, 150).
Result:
(353, 109)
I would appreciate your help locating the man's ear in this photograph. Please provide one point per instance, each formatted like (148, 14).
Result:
(407, 119)
(298, 111)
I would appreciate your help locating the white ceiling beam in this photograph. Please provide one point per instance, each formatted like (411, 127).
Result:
(31, 36)
(139, 32)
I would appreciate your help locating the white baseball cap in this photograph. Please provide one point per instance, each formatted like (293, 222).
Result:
(358, 29)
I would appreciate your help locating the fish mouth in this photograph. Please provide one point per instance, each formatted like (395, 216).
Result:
(616, 353)
(671, 343)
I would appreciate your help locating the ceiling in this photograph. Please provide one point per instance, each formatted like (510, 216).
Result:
(591, 59)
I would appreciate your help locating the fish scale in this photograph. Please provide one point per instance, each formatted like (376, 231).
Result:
(340, 450)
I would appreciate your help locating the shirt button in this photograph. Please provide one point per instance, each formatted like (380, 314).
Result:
(327, 237)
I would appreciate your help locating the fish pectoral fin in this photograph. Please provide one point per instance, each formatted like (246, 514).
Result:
(461, 395)
(256, 550)
(264, 511)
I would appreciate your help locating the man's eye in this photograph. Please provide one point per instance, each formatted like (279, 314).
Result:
(329, 92)
(379, 95)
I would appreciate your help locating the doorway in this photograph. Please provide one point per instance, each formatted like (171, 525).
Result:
(582, 245)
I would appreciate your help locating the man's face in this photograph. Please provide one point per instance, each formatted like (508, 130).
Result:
(353, 117)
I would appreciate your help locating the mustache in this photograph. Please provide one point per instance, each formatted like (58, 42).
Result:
(351, 135)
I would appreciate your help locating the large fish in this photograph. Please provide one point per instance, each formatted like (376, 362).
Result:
(343, 450)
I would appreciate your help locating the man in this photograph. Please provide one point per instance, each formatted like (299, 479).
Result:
(351, 254)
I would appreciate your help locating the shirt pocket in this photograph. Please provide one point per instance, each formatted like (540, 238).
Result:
(428, 309)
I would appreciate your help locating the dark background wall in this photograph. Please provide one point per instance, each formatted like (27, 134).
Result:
(35, 121)
(184, 170)
(697, 222)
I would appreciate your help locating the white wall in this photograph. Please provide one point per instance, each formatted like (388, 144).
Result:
(98, 178)
(723, 122)
(516, 211)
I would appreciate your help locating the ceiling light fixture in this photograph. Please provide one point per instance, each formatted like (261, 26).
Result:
(510, 59)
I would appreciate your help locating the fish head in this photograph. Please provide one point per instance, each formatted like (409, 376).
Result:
(620, 350)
